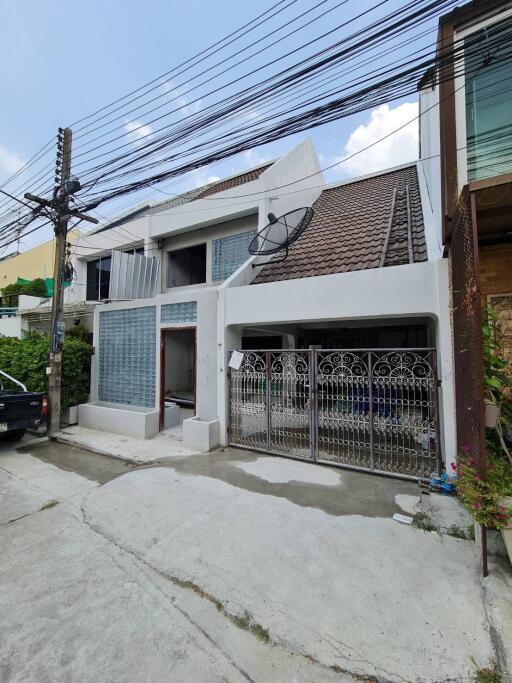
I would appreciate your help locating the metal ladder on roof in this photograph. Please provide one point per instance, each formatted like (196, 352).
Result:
(407, 198)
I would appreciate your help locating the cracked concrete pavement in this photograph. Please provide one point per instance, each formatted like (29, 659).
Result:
(227, 567)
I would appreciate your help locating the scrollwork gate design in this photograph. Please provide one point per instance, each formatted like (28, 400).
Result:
(375, 410)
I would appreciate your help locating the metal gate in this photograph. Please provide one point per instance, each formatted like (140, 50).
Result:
(370, 409)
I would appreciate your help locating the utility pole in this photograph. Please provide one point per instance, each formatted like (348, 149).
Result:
(57, 333)
(64, 187)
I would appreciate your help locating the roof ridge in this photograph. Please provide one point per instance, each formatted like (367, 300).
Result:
(207, 186)
(369, 176)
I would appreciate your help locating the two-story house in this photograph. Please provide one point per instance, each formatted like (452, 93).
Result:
(345, 347)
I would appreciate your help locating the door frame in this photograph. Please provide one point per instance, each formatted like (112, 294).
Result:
(163, 332)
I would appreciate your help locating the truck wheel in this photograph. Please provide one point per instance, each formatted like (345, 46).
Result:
(14, 435)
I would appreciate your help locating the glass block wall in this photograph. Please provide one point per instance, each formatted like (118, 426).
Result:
(127, 356)
(228, 254)
(183, 312)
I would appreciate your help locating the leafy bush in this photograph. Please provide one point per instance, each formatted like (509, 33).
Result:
(27, 360)
(498, 385)
(35, 287)
(482, 495)
(79, 332)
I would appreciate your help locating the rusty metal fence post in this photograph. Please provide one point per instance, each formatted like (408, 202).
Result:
(467, 339)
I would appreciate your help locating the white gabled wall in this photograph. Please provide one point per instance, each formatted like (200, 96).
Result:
(295, 180)
(430, 148)
(433, 238)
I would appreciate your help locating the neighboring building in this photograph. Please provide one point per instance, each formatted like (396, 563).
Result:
(32, 263)
(466, 144)
(349, 335)
(27, 265)
(33, 314)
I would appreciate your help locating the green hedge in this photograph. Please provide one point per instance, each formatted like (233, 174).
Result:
(35, 287)
(27, 360)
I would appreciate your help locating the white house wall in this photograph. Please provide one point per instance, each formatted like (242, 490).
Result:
(295, 180)
(217, 208)
(206, 360)
(292, 181)
(431, 225)
(430, 148)
(418, 289)
(205, 236)
(11, 326)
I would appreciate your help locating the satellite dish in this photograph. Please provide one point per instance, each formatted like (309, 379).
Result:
(280, 233)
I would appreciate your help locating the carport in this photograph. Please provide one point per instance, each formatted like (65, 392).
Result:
(353, 394)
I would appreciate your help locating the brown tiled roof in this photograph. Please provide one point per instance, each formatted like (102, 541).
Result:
(348, 230)
(233, 182)
(206, 190)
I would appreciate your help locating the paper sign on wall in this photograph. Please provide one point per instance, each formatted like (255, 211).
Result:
(236, 360)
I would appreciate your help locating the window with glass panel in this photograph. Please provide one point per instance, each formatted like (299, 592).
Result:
(98, 275)
(98, 279)
(488, 84)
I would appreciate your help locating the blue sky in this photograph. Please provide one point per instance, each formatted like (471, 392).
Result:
(63, 60)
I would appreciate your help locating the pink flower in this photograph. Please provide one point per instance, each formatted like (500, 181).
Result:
(466, 447)
(501, 509)
(471, 461)
(490, 466)
(461, 490)
(477, 506)
(453, 466)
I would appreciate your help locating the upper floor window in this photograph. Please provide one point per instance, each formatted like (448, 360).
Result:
(488, 88)
(187, 266)
(98, 279)
(98, 275)
(135, 250)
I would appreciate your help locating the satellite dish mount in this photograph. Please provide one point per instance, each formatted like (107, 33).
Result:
(279, 234)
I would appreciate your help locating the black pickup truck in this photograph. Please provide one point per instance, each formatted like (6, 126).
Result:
(19, 409)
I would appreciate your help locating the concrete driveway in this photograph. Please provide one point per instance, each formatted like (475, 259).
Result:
(226, 567)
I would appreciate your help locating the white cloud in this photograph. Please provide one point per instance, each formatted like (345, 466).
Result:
(200, 177)
(252, 115)
(191, 108)
(398, 148)
(9, 162)
(203, 179)
(136, 131)
(255, 157)
(178, 96)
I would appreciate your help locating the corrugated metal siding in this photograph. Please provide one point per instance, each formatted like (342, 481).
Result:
(229, 253)
(127, 356)
(133, 276)
(183, 312)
